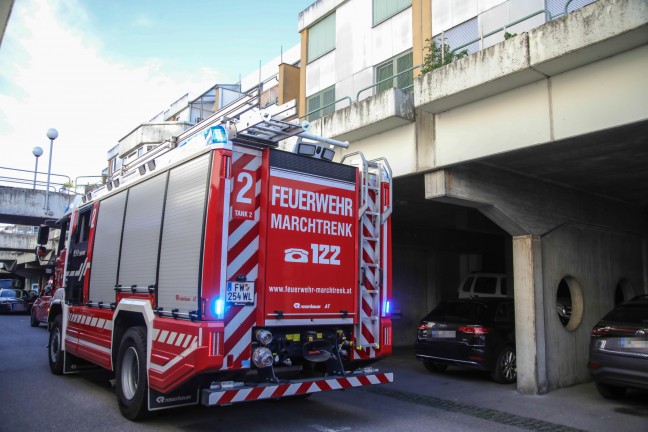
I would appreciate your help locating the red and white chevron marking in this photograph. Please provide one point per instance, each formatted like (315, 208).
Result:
(272, 391)
(242, 259)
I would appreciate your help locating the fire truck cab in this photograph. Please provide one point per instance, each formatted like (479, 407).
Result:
(221, 269)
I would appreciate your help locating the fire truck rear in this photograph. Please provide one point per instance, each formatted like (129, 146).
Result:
(220, 269)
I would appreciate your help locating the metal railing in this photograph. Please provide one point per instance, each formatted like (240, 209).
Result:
(391, 78)
(14, 177)
(480, 39)
(326, 106)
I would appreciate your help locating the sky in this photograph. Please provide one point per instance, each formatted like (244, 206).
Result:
(96, 69)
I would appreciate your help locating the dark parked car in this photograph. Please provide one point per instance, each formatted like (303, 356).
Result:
(476, 333)
(15, 300)
(618, 355)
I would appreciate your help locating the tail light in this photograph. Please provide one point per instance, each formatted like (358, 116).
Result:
(600, 331)
(423, 326)
(476, 330)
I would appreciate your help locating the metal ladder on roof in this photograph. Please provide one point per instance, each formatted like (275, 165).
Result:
(375, 209)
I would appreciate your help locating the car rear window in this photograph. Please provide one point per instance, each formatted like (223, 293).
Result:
(459, 311)
(486, 285)
(629, 313)
(10, 293)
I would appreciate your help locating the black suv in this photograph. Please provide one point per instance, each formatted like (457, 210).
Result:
(476, 333)
(618, 353)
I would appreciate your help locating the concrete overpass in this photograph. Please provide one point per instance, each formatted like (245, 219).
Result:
(545, 136)
(21, 206)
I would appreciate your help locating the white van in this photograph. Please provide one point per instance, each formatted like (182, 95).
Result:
(484, 285)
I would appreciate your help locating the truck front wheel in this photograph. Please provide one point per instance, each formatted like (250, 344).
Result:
(55, 353)
(131, 376)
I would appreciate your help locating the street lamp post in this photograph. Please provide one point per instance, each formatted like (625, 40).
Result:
(52, 134)
(36, 151)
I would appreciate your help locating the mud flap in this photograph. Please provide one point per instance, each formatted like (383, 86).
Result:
(73, 364)
(184, 395)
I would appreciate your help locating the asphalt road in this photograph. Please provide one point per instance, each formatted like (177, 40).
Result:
(31, 399)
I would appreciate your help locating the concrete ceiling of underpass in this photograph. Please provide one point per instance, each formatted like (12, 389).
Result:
(612, 163)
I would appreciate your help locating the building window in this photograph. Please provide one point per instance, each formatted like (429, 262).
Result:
(393, 67)
(321, 38)
(383, 9)
(319, 100)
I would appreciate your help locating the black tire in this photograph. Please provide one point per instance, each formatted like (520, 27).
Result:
(54, 351)
(130, 375)
(505, 371)
(610, 392)
(32, 320)
(435, 367)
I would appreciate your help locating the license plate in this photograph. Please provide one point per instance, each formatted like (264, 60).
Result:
(443, 333)
(240, 293)
(17, 307)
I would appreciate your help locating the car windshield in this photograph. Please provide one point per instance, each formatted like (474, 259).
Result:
(458, 311)
(10, 293)
(630, 313)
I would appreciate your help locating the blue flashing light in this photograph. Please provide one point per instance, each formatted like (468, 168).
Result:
(219, 308)
(386, 308)
(218, 135)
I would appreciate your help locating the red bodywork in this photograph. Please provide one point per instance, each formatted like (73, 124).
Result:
(294, 235)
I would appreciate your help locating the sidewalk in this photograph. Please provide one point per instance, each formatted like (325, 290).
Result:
(473, 393)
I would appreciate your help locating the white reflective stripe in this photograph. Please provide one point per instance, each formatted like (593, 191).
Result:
(373, 379)
(163, 336)
(179, 340)
(241, 395)
(160, 368)
(172, 337)
(334, 384)
(267, 392)
(101, 323)
(109, 325)
(245, 227)
(354, 381)
(243, 257)
(86, 320)
(237, 321)
(156, 332)
(94, 321)
(94, 346)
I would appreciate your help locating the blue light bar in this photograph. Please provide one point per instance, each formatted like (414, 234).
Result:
(218, 135)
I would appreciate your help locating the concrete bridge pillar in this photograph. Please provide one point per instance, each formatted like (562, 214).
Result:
(561, 238)
(529, 324)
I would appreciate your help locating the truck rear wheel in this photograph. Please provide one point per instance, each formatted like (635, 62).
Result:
(131, 376)
(54, 351)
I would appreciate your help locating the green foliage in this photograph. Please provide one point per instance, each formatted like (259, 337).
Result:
(435, 57)
(508, 35)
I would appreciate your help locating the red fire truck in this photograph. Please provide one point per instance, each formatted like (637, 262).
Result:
(219, 269)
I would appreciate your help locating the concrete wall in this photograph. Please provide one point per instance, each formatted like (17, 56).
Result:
(26, 206)
(359, 47)
(566, 105)
(598, 259)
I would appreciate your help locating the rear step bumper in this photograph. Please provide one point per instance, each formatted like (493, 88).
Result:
(231, 393)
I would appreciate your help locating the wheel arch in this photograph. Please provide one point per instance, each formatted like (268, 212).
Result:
(132, 313)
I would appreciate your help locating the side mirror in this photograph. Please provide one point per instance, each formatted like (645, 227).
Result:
(43, 235)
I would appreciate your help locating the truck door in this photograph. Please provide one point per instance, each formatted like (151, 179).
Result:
(78, 260)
